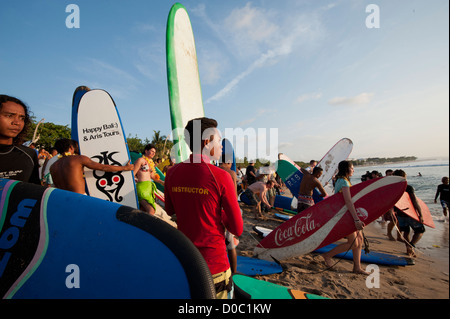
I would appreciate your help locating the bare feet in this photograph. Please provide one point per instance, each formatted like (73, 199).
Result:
(410, 251)
(360, 272)
(328, 261)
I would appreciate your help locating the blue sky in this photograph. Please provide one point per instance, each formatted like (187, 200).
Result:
(311, 69)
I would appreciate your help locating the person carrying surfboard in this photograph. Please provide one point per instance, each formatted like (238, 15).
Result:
(309, 182)
(405, 221)
(17, 162)
(356, 239)
(203, 198)
(68, 171)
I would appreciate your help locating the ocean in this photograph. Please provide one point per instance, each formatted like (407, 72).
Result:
(435, 242)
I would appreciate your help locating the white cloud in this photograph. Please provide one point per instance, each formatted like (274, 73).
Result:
(308, 96)
(264, 37)
(361, 99)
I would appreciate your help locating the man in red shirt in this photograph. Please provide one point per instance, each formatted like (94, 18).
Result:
(204, 199)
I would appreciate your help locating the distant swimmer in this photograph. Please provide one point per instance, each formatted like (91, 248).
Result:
(443, 192)
(68, 171)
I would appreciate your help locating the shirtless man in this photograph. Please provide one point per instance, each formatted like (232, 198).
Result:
(68, 171)
(309, 182)
(256, 192)
(144, 171)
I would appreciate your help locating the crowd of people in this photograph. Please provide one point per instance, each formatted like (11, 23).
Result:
(202, 196)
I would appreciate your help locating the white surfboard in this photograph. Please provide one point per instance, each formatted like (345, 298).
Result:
(101, 138)
(185, 94)
(329, 163)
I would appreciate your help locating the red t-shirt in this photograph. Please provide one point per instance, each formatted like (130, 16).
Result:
(204, 199)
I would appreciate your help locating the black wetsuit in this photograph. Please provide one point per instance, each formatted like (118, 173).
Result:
(20, 163)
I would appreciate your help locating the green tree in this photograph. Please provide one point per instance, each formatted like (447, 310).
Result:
(48, 133)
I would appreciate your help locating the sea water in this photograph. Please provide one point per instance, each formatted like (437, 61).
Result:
(424, 176)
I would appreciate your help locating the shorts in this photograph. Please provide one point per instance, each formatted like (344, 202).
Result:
(304, 202)
(224, 285)
(444, 204)
(146, 191)
(253, 200)
(404, 222)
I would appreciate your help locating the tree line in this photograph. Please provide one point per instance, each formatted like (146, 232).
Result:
(48, 133)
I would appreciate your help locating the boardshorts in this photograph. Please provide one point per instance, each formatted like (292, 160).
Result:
(304, 202)
(224, 284)
(404, 222)
(146, 191)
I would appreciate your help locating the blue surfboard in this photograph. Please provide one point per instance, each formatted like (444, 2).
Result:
(292, 177)
(257, 267)
(57, 244)
(77, 95)
(283, 216)
(283, 202)
(228, 151)
(371, 257)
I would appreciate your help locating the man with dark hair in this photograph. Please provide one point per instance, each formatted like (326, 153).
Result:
(16, 161)
(405, 222)
(203, 197)
(68, 171)
(309, 182)
(145, 172)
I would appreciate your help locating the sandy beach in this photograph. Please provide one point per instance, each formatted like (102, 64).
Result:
(427, 279)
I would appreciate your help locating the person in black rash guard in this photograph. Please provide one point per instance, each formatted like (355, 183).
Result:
(17, 162)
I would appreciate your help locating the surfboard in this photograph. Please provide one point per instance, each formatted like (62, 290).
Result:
(79, 92)
(252, 288)
(285, 202)
(257, 267)
(101, 137)
(371, 258)
(57, 244)
(185, 94)
(262, 231)
(329, 163)
(228, 150)
(329, 220)
(292, 177)
(405, 205)
(283, 216)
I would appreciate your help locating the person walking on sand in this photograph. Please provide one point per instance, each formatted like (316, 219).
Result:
(309, 182)
(203, 198)
(354, 240)
(443, 192)
(17, 162)
(68, 171)
(405, 222)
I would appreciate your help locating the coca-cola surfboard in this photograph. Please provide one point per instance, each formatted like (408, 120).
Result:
(329, 220)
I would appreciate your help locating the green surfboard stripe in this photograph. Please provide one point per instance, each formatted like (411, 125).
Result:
(174, 92)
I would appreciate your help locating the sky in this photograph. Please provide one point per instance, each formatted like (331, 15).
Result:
(295, 76)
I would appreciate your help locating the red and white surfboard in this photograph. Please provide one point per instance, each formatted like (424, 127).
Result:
(405, 205)
(329, 220)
